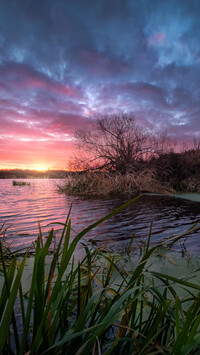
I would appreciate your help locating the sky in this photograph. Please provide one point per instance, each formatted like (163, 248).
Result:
(64, 62)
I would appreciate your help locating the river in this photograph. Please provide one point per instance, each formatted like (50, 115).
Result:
(21, 207)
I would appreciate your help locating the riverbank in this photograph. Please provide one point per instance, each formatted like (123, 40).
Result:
(113, 184)
(167, 173)
(151, 180)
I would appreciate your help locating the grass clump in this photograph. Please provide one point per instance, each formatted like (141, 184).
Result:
(20, 183)
(108, 184)
(96, 305)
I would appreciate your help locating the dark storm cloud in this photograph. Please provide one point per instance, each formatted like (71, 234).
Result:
(63, 61)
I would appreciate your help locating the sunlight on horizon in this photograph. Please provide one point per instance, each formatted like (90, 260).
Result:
(39, 167)
(32, 167)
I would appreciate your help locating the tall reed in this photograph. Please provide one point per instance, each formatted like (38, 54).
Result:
(104, 184)
(96, 306)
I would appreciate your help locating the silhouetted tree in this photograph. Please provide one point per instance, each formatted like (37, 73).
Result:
(116, 143)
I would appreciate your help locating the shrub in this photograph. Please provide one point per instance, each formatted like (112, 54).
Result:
(20, 183)
(105, 184)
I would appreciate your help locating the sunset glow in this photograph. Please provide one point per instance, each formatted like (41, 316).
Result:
(39, 167)
(71, 61)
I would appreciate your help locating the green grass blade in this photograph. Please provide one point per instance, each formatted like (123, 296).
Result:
(110, 317)
(130, 244)
(185, 332)
(9, 308)
(139, 269)
(64, 258)
(192, 346)
(153, 331)
(23, 345)
(92, 226)
(65, 262)
(70, 335)
(8, 279)
(149, 238)
(175, 279)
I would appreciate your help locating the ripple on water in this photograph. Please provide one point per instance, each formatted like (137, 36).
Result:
(22, 206)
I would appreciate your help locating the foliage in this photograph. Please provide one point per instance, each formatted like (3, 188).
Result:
(96, 306)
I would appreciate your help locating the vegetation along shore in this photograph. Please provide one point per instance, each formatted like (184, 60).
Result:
(116, 156)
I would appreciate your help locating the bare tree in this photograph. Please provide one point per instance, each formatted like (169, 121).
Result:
(117, 143)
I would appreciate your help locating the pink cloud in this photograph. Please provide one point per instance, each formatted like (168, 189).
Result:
(46, 84)
(24, 77)
(156, 38)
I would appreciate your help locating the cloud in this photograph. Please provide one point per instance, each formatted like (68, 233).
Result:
(62, 62)
(15, 76)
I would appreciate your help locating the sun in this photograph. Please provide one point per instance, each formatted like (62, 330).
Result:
(40, 167)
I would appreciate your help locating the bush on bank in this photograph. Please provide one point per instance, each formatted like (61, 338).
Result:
(108, 184)
(168, 173)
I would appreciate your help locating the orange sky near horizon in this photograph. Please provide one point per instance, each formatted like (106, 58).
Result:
(36, 155)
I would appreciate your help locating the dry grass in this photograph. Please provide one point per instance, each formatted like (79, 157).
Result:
(191, 184)
(104, 184)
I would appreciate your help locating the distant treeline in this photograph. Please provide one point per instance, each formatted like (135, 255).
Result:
(32, 174)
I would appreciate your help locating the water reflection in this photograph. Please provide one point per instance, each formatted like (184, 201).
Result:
(22, 206)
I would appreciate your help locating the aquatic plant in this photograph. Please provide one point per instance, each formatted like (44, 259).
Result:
(96, 305)
(20, 183)
(107, 184)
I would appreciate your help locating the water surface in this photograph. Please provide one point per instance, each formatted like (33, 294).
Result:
(21, 207)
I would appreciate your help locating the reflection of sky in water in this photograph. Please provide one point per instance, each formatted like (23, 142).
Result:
(22, 206)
